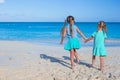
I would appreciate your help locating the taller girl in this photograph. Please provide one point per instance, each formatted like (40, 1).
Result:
(71, 31)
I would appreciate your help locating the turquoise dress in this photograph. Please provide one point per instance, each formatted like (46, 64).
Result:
(98, 47)
(73, 42)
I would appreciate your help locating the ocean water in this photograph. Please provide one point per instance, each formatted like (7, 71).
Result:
(49, 32)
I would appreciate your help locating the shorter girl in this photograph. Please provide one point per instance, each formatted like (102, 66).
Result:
(98, 47)
(71, 31)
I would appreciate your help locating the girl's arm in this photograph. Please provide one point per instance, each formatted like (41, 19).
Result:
(81, 33)
(63, 35)
(88, 39)
(65, 23)
(61, 31)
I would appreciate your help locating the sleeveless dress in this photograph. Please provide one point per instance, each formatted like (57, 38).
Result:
(73, 41)
(98, 47)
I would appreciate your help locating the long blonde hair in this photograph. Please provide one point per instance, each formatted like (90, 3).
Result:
(102, 25)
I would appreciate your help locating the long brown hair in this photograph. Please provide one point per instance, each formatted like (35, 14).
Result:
(102, 25)
(68, 20)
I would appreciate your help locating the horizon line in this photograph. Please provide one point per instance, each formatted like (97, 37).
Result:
(58, 21)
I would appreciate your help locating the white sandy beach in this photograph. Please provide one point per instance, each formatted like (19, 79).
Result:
(26, 61)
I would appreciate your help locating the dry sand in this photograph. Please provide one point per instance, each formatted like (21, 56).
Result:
(26, 61)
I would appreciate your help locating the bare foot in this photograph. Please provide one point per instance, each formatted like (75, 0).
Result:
(102, 70)
(72, 67)
(77, 61)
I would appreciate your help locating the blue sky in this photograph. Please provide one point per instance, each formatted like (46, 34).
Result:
(58, 10)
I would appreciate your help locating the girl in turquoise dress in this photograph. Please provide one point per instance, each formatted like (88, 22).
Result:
(98, 47)
(73, 43)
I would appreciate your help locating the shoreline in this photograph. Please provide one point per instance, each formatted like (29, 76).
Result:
(55, 42)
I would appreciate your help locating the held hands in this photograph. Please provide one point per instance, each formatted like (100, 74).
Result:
(86, 40)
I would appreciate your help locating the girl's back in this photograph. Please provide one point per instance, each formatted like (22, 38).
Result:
(99, 38)
(74, 31)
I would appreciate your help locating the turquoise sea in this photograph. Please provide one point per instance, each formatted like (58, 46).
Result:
(48, 33)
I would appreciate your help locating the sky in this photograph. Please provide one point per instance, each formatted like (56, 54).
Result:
(58, 10)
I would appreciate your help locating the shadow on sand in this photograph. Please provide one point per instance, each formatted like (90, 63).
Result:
(82, 62)
(62, 62)
(55, 59)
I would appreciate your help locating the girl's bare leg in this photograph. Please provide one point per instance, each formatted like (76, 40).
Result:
(76, 55)
(101, 63)
(93, 60)
(72, 58)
